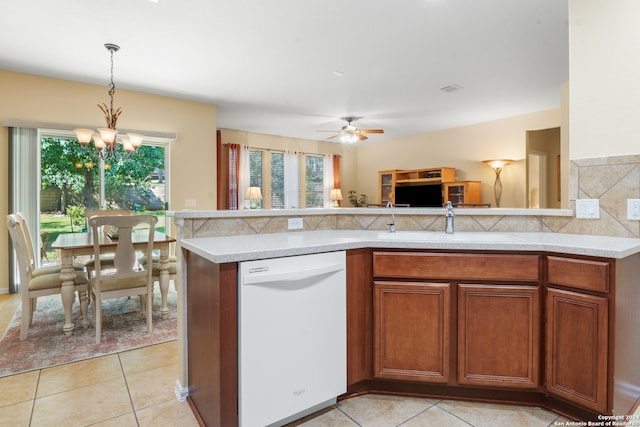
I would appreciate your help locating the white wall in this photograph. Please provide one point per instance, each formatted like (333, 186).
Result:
(604, 52)
(462, 148)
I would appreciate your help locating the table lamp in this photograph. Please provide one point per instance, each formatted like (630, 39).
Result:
(253, 194)
(336, 197)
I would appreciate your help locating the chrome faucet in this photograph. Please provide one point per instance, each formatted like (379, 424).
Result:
(392, 226)
(449, 219)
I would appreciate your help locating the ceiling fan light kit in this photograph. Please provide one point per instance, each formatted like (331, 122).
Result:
(349, 133)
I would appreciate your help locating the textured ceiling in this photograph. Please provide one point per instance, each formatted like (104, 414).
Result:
(292, 67)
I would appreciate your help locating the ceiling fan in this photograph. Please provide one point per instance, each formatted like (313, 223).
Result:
(350, 133)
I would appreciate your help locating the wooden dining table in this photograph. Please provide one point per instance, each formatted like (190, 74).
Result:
(72, 245)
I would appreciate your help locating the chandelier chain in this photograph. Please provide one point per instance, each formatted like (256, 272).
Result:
(112, 85)
(107, 140)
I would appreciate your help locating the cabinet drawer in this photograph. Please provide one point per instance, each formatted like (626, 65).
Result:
(578, 273)
(414, 265)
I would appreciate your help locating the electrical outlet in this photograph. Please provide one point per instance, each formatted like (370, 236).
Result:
(295, 223)
(633, 209)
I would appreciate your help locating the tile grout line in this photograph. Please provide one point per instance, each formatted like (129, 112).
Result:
(126, 383)
(35, 395)
(452, 414)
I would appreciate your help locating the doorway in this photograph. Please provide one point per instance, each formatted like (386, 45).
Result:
(543, 169)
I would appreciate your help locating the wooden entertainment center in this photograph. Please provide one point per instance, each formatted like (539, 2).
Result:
(430, 187)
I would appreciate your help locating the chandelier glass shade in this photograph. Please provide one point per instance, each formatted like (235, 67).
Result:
(106, 140)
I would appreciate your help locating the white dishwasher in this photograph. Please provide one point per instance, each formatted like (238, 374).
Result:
(291, 337)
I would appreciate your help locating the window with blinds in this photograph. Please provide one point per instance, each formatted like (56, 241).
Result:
(314, 188)
(277, 179)
(256, 167)
(304, 187)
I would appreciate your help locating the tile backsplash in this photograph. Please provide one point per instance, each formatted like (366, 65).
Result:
(612, 180)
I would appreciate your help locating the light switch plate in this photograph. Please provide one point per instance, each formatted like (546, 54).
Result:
(588, 208)
(295, 223)
(633, 209)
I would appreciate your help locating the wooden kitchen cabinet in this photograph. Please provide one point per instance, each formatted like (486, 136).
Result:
(462, 193)
(412, 331)
(499, 335)
(498, 324)
(577, 348)
(460, 324)
(577, 330)
(359, 317)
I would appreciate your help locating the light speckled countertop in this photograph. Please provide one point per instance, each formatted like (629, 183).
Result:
(248, 213)
(250, 247)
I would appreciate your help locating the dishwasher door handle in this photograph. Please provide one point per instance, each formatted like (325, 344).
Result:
(290, 275)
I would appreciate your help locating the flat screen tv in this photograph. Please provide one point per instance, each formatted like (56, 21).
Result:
(420, 196)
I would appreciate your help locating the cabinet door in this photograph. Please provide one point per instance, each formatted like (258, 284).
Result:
(577, 348)
(411, 331)
(386, 184)
(462, 192)
(454, 193)
(499, 335)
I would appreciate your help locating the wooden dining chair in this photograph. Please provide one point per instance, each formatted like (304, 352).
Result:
(36, 282)
(172, 269)
(124, 278)
(107, 259)
(39, 268)
(44, 241)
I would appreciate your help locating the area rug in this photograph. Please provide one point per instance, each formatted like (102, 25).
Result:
(122, 329)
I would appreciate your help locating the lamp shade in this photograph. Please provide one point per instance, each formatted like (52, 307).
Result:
(135, 139)
(108, 135)
(84, 135)
(498, 163)
(98, 142)
(335, 195)
(253, 193)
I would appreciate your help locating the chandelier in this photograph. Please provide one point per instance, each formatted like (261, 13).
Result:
(106, 140)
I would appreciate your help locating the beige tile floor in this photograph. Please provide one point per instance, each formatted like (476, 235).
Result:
(135, 388)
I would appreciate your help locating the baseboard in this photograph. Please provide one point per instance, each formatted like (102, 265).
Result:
(181, 392)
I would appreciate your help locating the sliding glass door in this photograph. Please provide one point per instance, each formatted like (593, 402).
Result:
(74, 179)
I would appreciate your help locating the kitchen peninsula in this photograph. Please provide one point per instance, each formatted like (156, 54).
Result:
(561, 308)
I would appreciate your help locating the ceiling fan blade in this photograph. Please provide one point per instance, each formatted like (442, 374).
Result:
(328, 131)
(331, 137)
(371, 130)
(362, 137)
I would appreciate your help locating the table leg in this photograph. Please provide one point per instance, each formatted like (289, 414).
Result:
(84, 307)
(164, 279)
(67, 293)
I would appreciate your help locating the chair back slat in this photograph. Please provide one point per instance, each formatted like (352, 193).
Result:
(125, 266)
(105, 212)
